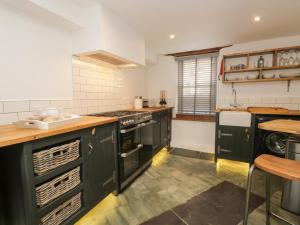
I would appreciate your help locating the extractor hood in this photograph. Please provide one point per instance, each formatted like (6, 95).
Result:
(107, 38)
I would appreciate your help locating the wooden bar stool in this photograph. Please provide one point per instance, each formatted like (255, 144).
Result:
(285, 168)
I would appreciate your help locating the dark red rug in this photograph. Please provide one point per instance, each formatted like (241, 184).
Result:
(222, 204)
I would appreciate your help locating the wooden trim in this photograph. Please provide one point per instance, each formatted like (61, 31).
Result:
(261, 80)
(264, 68)
(198, 52)
(205, 118)
(260, 52)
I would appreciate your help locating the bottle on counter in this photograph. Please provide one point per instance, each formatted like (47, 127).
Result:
(162, 101)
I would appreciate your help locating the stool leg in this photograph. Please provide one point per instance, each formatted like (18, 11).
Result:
(268, 199)
(248, 194)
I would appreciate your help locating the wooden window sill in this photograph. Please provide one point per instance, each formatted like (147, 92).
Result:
(204, 118)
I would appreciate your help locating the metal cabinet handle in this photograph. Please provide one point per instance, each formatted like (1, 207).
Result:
(91, 148)
(124, 155)
(225, 150)
(124, 131)
(226, 135)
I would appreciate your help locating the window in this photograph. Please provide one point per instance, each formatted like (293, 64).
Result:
(197, 80)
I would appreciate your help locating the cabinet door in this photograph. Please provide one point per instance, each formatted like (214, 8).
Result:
(107, 142)
(164, 128)
(101, 162)
(234, 143)
(226, 148)
(156, 132)
(156, 136)
(93, 165)
(245, 146)
(169, 125)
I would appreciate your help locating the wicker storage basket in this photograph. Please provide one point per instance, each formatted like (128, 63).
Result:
(49, 159)
(58, 186)
(62, 212)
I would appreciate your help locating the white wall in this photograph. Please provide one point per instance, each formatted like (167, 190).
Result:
(35, 58)
(195, 135)
(121, 39)
(262, 94)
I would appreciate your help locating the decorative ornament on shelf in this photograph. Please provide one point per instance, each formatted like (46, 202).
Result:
(261, 62)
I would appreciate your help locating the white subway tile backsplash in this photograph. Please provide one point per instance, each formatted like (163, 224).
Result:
(60, 104)
(283, 100)
(268, 100)
(24, 115)
(16, 106)
(95, 89)
(295, 100)
(73, 104)
(243, 100)
(76, 87)
(93, 109)
(37, 105)
(76, 70)
(6, 118)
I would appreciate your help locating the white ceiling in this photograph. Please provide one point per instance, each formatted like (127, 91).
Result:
(201, 24)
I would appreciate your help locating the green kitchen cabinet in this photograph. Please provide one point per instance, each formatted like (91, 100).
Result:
(234, 143)
(156, 132)
(164, 128)
(101, 162)
(97, 162)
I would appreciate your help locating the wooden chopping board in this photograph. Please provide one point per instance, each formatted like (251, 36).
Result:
(286, 126)
(267, 110)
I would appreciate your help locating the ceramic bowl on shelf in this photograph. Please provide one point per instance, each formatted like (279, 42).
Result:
(289, 75)
(252, 77)
(232, 78)
(268, 76)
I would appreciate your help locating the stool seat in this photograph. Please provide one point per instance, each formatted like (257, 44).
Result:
(285, 168)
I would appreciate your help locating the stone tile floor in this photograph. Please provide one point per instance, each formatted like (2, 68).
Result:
(172, 180)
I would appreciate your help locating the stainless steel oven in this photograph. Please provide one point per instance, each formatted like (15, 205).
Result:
(135, 151)
(135, 144)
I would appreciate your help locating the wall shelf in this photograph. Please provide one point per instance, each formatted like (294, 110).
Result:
(262, 80)
(264, 69)
(248, 56)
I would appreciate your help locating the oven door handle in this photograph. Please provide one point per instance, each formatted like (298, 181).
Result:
(124, 131)
(124, 155)
(148, 123)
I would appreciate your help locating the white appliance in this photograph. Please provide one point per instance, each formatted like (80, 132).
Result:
(138, 102)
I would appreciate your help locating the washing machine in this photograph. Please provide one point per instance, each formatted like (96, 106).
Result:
(270, 142)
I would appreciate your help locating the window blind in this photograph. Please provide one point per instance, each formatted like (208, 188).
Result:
(197, 80)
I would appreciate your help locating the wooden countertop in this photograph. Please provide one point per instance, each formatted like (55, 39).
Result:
(151, 109)
(286, 126)
(10, 134)
(264, 110)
